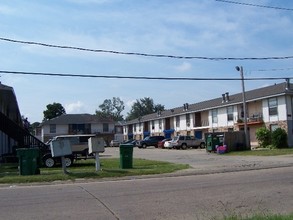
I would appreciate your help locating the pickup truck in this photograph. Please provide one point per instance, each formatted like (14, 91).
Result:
(185, 142)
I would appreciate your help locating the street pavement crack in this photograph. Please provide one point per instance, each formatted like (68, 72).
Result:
(96, 198)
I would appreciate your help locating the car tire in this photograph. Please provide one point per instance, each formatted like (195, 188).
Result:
(184, 146)
(202, 145)
(144, 146)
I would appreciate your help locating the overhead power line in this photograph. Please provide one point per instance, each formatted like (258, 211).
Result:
(144, 54)
(256, 5)
(267, 70)
(137, 77)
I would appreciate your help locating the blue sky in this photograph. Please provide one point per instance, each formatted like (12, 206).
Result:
(205, 28)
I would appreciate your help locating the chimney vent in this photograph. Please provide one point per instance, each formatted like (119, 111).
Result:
(185, 106)
(287, 84)
(223, 98)
(227, 96)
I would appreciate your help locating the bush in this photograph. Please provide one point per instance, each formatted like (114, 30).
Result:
(279, 138)
(263, 136)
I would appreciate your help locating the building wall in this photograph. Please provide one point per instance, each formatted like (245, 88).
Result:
(284, 119)
(254, 108)
(98, 128)
(60, 130)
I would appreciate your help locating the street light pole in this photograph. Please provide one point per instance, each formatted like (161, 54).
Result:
(247, 141)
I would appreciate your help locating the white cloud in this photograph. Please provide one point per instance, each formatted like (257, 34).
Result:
(184, 67)
(75, 107)
(129, 103)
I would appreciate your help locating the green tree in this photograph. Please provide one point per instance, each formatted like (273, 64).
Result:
(53, 110)
(143, 107)
(111, 109)
(279, 138)
(263, 136)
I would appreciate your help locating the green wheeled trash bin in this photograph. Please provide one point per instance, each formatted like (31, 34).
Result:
(29, 159)
(126, 156)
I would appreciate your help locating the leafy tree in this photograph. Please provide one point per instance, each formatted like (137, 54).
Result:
(279, 138)
(53, 110)
(143, 107)
(111, 109)
(263, 135)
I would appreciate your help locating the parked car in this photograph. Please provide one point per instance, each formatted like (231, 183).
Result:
(114, 143)
(131, 141)
(168, 144)
(185, 142)
(150, 141)
(162, 142)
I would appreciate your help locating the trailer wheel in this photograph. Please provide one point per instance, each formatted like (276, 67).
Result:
(68, 161)
(49, 162)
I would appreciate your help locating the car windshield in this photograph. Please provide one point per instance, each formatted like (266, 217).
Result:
(175, 138)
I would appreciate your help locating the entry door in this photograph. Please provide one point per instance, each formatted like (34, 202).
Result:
(198, 134)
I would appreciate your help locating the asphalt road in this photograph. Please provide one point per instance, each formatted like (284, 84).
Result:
(181, 197)
(210, 188)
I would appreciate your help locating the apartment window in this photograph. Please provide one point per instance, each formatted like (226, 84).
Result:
(79, 128)
(153, 125)
(230, 113)
(274, 127)
(160, 124)
(187, 120)
(105, 127)
(53, 128)
(273, 107)
(177, 121)
(215, 115)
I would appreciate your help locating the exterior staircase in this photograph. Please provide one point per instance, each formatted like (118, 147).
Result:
(18, 133)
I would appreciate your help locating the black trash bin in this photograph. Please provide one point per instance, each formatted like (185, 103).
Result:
(126, 156)
(29, 159)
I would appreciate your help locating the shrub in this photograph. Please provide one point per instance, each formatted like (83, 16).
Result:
(263, 136)
(279, 138)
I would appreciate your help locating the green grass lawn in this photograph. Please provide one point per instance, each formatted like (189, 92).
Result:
(9, 173)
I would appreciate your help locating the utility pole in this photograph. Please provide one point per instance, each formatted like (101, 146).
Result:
(247, 141)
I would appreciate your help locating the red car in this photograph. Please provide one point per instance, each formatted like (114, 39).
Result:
(161, 143)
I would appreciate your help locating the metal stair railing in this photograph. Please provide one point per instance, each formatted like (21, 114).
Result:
(15, 131)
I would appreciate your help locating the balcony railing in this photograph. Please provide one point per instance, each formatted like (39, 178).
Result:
(251, 119)
(203, 123)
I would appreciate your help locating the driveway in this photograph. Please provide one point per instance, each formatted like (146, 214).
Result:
(203, 162)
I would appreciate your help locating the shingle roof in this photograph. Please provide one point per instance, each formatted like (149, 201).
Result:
(76, 119)
(252, 95)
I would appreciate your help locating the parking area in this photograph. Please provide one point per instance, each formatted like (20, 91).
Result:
(204, 162)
